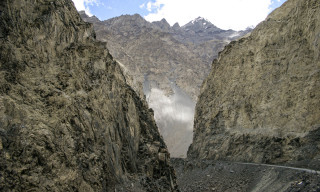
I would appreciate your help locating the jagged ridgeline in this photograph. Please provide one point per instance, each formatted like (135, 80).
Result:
(261, 102)
(68, 119)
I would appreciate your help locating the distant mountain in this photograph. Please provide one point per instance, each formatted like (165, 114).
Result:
(204, 38)
(163, 25)
(169, 63)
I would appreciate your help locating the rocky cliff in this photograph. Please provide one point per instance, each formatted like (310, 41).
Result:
(261, 101)
(166, 61)
(68, 119)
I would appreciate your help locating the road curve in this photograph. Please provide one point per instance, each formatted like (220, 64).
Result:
(281, 166)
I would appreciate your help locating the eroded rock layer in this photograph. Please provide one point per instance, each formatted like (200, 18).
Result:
(261, 101)
(68, 119)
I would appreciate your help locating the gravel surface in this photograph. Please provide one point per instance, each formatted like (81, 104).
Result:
(206, 175)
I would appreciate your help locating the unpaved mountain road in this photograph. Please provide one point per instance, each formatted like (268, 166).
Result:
(281, 167)
(207, 175)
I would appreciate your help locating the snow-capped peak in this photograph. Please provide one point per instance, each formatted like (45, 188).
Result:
(200, 19)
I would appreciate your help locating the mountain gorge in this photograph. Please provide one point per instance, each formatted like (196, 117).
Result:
(68, 119)
(169, 62)
(81, 110)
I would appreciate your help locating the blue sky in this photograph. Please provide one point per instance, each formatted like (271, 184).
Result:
(226, 14)
(275, 4)
(114, 8)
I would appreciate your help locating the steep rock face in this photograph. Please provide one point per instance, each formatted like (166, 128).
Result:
(261, 101)
(166, 61)
(68, 119)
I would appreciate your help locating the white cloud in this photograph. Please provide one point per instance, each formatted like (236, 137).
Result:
(226, 14)
(142, 6)
(154, 6)
(83, 5)
(149, 6)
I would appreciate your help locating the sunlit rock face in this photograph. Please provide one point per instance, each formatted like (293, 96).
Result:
(261, 101)
(157, 55)
(69, 121)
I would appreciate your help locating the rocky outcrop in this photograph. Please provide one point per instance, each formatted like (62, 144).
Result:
(261, 101)
(165, 60)
(68, 119)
